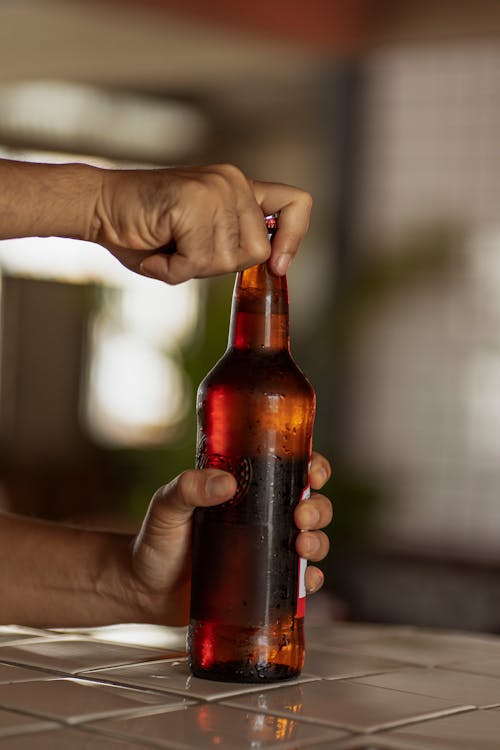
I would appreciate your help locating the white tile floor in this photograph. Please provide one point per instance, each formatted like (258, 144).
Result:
(12, 723)
(173, 676)
(364, 687)
(69, 739)
(72, 655)
(75, 701)
(480, 691)
(215, 725)
(347, 705)
(10, 673)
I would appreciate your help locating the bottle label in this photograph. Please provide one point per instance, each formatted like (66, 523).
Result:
(301, 592)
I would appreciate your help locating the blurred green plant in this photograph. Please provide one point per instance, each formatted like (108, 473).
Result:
(381, 278)
(421, 257)
(149, 468)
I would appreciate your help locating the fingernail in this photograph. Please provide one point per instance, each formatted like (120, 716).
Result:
(281, 264)
(220, 486)
(318, 582)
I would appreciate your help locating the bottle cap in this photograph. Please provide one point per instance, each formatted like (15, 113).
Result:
(271, 224)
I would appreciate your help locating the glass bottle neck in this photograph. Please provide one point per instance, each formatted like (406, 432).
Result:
(259, 313)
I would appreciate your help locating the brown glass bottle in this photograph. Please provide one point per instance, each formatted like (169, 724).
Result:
(255, 418)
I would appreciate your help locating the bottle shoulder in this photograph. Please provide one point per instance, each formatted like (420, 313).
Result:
(266, 370)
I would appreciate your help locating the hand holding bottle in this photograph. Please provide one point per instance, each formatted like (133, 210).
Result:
(160, 572)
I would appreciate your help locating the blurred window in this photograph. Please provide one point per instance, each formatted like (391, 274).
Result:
(425, 413)
(134, 391)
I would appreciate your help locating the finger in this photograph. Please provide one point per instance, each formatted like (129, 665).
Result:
(249, 241)
(292, 227)
(254, 245)
(227, 246)
(314, 513)
(155, 266)
(294, 207)
(314, 579)
(312, 545)
(321, 471)
(129, 258)
(174, 269)
(174, 503)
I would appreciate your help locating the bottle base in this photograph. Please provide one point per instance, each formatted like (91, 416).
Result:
(246, 673)
(228, 653)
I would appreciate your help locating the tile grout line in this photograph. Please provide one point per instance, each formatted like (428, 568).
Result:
(122, 713)
(352, 728)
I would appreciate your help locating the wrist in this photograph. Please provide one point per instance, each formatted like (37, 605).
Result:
(79, 189)
(85, 579)
(44, 200)
(160, 595)
(124, 595)
(119, 594)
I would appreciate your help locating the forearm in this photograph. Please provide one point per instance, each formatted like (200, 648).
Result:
(43, 200)
(59, 576)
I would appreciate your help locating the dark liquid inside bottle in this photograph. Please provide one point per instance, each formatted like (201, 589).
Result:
(245, 596)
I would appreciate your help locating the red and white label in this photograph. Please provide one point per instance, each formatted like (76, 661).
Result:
(301, 589)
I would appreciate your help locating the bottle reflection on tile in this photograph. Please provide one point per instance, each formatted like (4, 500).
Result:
(278, 728)
(264, 728)
(292, 702)
(260, 729)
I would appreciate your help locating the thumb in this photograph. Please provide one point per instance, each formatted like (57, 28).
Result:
(174, 503)
(161, 549)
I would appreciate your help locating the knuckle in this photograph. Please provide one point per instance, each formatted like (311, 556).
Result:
(160, 495)
(230, 172)
(307, 199)
(262, 253)
(228, 264)
(187, 483)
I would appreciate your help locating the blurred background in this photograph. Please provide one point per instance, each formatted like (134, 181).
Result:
(389, 114)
